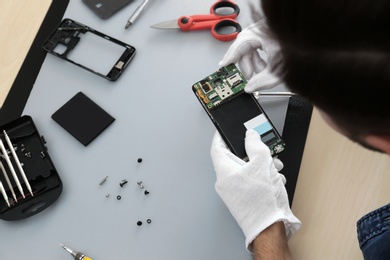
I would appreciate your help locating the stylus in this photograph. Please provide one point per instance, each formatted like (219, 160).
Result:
(11, 168)
(4, 194)
(11, 147)
(8, 182)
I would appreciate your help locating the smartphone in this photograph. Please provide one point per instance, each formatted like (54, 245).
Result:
(89, 49)
(233, 111)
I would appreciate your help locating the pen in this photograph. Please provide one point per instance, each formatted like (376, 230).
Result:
(75, 254)
(136, 13)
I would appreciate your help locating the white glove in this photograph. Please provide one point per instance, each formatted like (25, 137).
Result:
(254, 192)
(245, 52)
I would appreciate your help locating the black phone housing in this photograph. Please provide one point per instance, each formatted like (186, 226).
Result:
(66, 37)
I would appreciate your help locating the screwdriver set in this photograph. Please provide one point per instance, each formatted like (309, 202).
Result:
(29, 182)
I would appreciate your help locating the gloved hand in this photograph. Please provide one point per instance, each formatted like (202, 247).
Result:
(245, 52)
(253, 191)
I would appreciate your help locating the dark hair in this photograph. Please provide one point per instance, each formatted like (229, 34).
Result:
(336, 54)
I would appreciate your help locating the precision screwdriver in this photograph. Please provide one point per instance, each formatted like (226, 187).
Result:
(75, 254)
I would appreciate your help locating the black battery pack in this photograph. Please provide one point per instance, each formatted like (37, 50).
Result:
(29, 181)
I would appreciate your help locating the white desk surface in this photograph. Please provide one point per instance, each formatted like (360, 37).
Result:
(338, 181)
(159, 119)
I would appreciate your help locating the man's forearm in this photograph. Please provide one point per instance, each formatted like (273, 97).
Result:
(271, 244)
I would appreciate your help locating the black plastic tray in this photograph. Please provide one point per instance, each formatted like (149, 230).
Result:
(39, 170)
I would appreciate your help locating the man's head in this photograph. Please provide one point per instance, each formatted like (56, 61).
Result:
(336, 53)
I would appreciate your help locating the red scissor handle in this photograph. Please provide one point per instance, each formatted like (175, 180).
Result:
(214, 21)
(225, 4)
(226, 37)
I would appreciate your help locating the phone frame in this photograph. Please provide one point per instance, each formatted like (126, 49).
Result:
(68, 35)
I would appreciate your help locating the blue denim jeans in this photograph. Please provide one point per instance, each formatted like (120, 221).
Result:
(374, 234)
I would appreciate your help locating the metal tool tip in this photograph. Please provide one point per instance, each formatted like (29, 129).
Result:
(128, 25)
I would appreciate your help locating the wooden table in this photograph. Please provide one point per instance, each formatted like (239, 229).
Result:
(339, 182)
(20, 22)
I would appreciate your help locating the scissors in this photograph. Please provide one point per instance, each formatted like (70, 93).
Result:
(218, 21)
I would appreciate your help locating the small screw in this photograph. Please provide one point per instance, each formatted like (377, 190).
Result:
(43, 155)
(103, 181)
(140, 184)
(22, 148)
(28, 154)
(107, 195)
(118, 197)
(139, 160)
(149, 221)
(146, 192)
(139, 223)
(122, 183)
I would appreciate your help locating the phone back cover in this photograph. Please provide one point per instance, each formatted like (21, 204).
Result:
(83, 118)
(106, 8)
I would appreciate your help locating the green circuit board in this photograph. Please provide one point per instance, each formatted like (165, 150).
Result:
(221, 86)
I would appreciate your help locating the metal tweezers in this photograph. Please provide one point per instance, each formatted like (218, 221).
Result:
(274, 94)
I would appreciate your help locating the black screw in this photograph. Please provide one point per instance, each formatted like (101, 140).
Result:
(139, 160)
(139, 223)
(149, 221)
(122, 183)
(118, 197)
(146, 192)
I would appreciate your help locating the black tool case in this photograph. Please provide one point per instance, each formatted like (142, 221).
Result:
(39, 170)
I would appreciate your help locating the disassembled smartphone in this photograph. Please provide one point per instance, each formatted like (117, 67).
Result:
(89, 49)
(233, 111)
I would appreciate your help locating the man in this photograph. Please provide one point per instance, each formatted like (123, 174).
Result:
(335, 53)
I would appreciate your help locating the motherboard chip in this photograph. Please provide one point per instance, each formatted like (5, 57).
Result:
(206, 88)
(221, 86)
